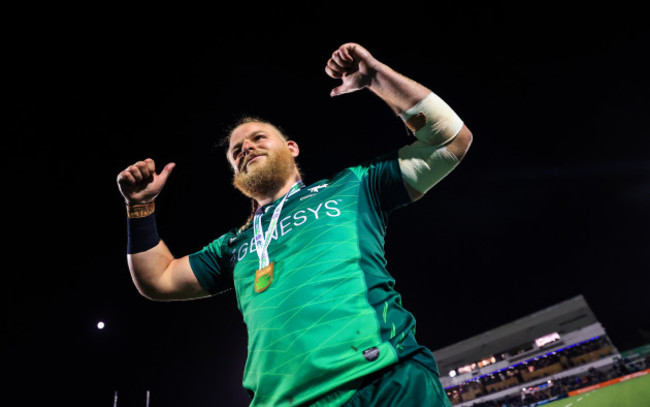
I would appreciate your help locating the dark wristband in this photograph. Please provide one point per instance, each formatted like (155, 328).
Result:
(142, 234)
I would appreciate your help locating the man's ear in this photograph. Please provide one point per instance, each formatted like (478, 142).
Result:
(293, 147)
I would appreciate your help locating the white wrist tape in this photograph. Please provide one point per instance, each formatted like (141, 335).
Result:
(424, 165)
(432, 121)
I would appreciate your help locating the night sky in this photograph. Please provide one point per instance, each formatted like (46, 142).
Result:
(550, 202)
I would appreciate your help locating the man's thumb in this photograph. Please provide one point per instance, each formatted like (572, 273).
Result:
(166, 171)
(339, 90)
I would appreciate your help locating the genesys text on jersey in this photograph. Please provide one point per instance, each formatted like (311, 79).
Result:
(288, 223)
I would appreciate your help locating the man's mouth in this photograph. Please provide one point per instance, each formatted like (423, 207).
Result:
(253, 158)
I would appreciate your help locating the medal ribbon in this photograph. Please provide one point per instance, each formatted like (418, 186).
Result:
(262, 241)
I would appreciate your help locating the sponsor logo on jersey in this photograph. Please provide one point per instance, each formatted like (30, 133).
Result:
(289, 223)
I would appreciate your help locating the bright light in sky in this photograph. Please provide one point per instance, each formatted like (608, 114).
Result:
(100, 325)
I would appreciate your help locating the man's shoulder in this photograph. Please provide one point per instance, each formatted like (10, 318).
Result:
(382, 161)
(379, 163)
(225, 239)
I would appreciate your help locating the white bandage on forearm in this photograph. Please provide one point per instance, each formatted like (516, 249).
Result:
(424, 165)
(432, 121)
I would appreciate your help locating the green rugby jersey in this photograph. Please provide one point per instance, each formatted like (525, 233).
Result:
(331, 314)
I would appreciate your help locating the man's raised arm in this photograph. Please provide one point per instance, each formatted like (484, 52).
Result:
(156, 273)
(442, 137)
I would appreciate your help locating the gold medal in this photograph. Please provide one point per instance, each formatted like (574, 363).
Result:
(263, 278)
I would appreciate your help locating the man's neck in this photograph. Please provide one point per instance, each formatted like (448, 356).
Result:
(290, 182)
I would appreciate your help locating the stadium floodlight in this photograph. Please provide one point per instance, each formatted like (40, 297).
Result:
(100, 325)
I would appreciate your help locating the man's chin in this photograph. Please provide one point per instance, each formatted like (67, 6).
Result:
(252, 181)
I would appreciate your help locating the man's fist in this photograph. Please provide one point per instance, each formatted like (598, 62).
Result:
(139, 183)
(354, 65)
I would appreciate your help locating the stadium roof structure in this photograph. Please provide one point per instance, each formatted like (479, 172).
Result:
(567, 316)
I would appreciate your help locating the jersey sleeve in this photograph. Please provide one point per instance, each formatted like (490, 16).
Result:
(212, 268)
(384, 183)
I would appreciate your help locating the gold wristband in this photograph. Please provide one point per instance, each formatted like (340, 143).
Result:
(140, 210)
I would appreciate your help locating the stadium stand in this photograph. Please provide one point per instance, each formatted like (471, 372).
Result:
(532, 360)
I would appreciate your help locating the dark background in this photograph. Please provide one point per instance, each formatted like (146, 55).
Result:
(551, 201)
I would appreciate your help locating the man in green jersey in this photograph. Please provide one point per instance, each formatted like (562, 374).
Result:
(325, 325)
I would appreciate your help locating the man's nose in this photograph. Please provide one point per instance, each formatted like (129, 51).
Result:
(247, 146)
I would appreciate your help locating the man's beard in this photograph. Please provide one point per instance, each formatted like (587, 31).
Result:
(265, 178)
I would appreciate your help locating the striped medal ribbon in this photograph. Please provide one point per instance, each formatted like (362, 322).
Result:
(261, 240)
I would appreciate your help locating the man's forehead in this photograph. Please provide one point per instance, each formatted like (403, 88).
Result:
(246, 130)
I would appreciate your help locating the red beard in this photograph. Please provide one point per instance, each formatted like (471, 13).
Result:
(267, 175)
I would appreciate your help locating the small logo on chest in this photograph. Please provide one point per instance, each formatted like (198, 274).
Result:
(317, 188)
